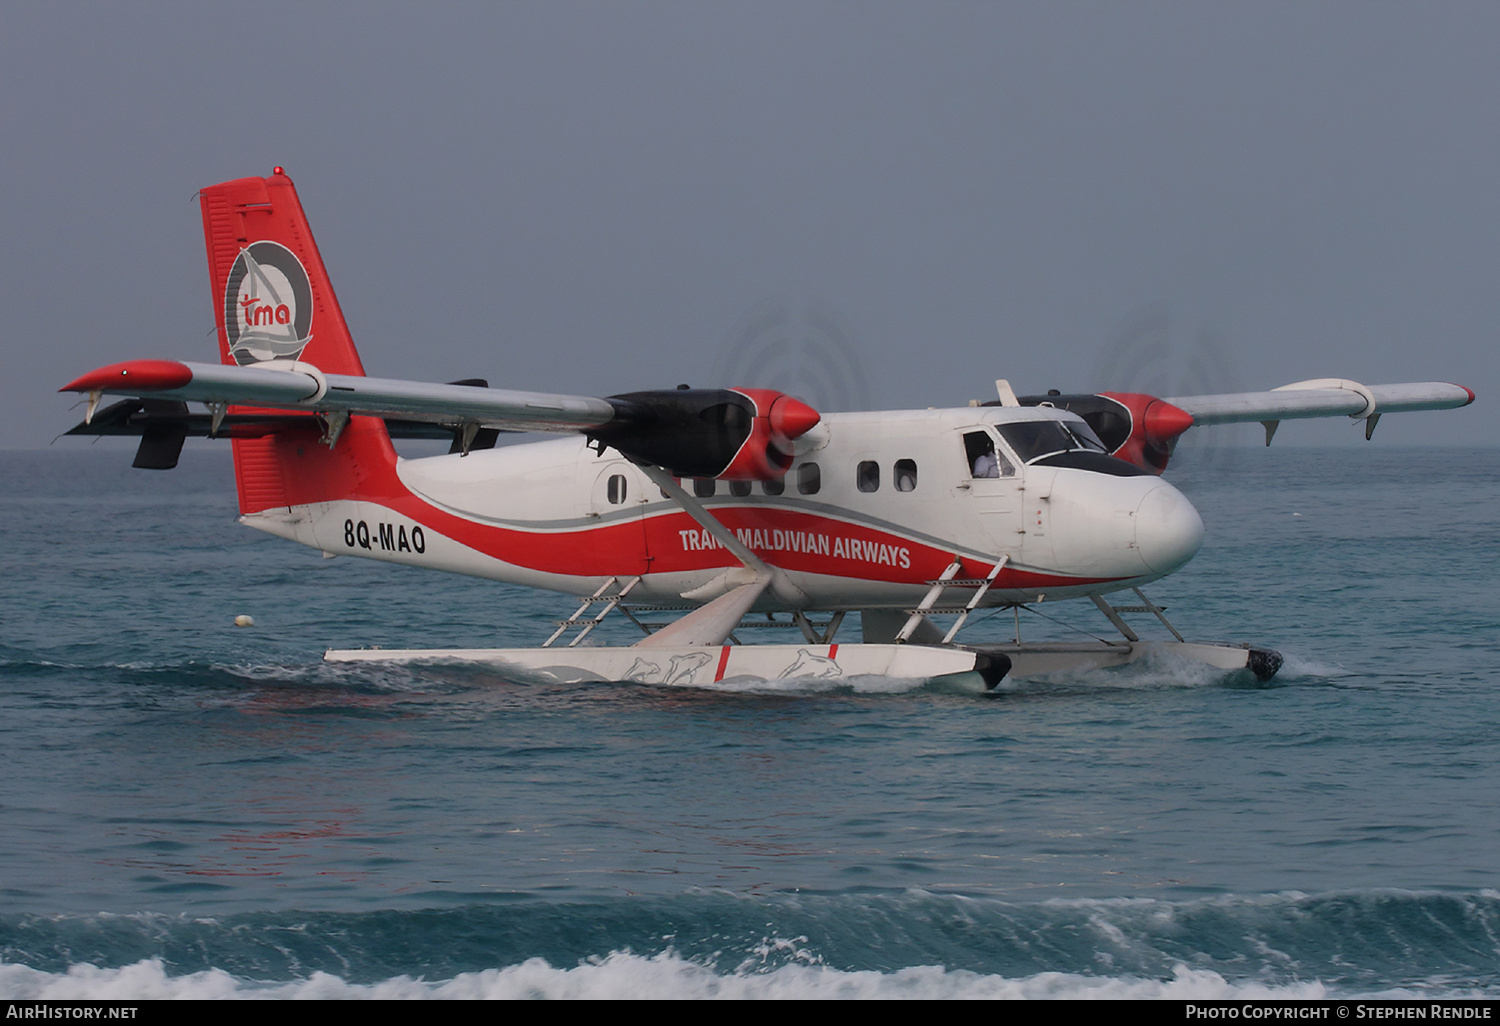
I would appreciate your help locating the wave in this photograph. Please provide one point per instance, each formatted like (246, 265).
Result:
(624, 975)
(914, 944)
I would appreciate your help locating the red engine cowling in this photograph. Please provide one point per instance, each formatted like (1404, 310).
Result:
(779, 420)
(1154, 429)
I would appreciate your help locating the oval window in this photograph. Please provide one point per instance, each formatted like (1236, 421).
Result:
(906, 475)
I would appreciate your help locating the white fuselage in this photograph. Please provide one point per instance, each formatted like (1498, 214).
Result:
(874, 508)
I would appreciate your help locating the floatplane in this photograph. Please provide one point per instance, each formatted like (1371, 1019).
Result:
(736, 507)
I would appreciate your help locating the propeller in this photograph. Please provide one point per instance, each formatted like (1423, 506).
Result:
(1152, 352)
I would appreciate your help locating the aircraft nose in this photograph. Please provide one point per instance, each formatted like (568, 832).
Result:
(1168, 530)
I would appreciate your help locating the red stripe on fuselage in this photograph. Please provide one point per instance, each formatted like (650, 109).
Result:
(672, 542)
(804, 542)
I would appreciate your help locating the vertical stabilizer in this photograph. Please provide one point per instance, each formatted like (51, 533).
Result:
(275, 305)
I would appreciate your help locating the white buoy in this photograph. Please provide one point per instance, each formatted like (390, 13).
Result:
(244, 621)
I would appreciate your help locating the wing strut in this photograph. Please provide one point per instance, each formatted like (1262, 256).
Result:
(693, 508)
(711, 624)
(1147, 606)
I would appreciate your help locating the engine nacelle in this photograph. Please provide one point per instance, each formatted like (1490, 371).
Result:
(741, 434)
(1137, 428)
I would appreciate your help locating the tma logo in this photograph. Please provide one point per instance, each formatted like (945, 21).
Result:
(257, 311)
(267, 305)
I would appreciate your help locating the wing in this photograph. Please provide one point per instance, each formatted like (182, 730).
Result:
(731, 433)
(1143, 429)
(1322, 397)
(302, 387)
(284, 346)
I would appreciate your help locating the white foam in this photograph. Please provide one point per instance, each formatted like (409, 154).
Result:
(1159, 669)
(1295, 665)
(624, 975)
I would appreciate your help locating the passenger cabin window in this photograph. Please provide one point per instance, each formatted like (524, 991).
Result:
(704, 487)
(809, 479)
(616, 489)
(773, 487)
(867, 476)
(739, 489)
(906, 475)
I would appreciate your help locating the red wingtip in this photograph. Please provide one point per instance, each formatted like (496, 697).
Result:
(792, 418)
(1467, 389)
(133, 376)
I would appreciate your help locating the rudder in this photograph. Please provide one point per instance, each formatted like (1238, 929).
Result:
(273, 304)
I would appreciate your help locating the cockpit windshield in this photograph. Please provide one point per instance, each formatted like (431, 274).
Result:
(1086, 437)
(1034, 439)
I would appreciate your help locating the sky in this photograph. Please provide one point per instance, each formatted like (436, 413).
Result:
(878, 205)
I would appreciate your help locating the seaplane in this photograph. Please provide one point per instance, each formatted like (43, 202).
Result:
(728, 508)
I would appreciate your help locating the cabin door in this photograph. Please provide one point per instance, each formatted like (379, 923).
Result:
(615, 512)
(990, 487)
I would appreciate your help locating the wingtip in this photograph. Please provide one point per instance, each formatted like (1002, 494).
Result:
(133, 376)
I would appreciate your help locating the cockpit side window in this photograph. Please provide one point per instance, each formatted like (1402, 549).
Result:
(983, 460)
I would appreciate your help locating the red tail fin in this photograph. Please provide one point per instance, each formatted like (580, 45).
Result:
(272, 292)
(274, 303)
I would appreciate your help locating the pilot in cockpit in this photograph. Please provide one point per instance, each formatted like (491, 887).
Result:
(983, 460)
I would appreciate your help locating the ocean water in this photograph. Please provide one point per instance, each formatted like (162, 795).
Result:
(188, 808)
